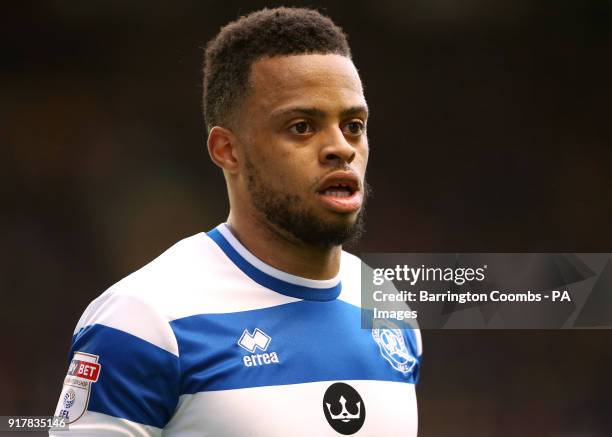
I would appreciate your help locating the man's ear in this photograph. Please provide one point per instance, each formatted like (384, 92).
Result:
(222, 144)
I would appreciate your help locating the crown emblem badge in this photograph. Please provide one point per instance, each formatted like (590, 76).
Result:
(344, 415)
(344, 408)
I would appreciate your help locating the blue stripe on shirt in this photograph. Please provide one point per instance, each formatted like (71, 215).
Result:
(138, 381)
(314, 341)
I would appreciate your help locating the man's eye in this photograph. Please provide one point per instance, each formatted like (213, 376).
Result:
(301, 128)
(354, 127)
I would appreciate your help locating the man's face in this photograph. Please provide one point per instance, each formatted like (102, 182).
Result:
(302, 129)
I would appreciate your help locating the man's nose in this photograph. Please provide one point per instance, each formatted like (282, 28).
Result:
(336, 149)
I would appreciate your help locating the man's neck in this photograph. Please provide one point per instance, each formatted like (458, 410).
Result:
(283, 251)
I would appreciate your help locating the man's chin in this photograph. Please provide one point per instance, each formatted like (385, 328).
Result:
(329, 230)
(338, 219)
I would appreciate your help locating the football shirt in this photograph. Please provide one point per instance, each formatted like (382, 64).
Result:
(208, 340)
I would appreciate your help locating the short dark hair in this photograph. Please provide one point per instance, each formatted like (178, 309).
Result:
(266, 33)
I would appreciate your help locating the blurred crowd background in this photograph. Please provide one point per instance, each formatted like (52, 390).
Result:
(490, 131)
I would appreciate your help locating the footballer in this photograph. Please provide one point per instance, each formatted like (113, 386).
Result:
(254, 327)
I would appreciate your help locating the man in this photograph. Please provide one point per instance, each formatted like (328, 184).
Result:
(253, 329)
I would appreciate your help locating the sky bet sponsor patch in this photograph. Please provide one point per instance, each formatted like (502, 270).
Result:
(83, 371)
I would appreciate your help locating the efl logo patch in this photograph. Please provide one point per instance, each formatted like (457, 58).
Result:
(83, 371)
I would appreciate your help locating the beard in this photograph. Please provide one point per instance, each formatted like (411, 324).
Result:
(289, 213)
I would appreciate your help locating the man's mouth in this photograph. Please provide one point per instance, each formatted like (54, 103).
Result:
(340, 192)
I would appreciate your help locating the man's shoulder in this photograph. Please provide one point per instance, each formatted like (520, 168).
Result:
(192, 277)
(155, 286)
(179, 267)
(140, 303)
(175, 267)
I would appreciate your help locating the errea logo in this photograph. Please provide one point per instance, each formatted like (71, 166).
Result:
(251, 342)
(257, 340)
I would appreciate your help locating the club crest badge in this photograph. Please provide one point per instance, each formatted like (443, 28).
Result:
(392, 345)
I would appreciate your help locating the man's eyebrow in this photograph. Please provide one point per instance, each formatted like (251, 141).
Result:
(318, 113)
(354, 110)
(298, 110)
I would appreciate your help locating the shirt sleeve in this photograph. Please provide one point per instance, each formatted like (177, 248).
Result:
(123, 377)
